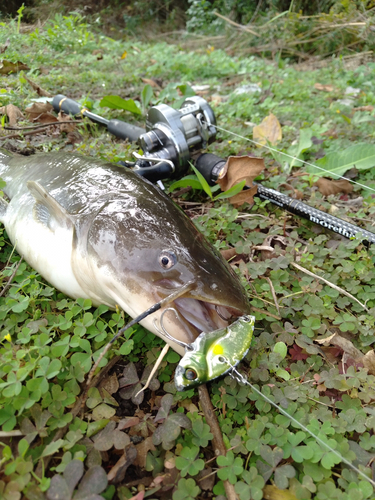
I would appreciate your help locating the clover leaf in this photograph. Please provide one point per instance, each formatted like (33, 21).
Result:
(252, 488)
(231, 467)
(186, 490)
(187, 462)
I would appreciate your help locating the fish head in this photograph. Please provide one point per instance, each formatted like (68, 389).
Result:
(142, 248)
(214, 353)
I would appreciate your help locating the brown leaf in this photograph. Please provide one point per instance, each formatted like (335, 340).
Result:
(268, 131)
(37, 109)
(271, 492)
(4, 47)
(237, 169)
(110, 384)
(98, 53)
(127, 422)
(364, 108)
(269, 245)
(329, 186)
(367, 360)
(325, 88)
(229, 253)
(38, 90)
(139, 496)
(206, 479)
(7, 67)
(151, 82)
(118, 471)
(12, 112)
(142, 449)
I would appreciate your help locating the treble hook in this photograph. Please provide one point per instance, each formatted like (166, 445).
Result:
(220, 316)
(167, 334)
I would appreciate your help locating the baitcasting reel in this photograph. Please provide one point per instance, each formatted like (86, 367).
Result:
(168, 140)
(171, 135)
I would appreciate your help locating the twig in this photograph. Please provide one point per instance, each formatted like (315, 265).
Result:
(254, 16)
(42, 125)
(243, 28)
(6, 434)
(341, 290)
(273, 294)
(219, 446)
(11, 278)
(265, 312)
(43, 463)
(21, 134)
(154, 369)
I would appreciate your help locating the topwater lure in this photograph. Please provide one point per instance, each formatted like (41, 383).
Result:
(214, 353)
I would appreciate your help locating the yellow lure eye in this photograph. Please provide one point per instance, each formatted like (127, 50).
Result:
(217, 349)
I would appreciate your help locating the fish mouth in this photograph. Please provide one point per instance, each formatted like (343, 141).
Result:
(205, 316)
(201, 314)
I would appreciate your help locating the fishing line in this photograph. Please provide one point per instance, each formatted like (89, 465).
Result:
(174, 295)
(292, 157)
(235, 374)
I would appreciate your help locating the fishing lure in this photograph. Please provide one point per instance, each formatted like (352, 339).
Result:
(214, 353)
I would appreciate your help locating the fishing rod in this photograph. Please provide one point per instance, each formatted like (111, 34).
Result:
(172, 135)
(168, 140)
(211, 167)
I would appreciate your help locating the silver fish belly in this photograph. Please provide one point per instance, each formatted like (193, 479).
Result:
(96, 230)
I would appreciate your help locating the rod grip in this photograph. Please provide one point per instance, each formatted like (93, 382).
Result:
(69, 106)
(125, 130)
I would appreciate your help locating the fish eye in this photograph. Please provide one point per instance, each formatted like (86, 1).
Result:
(247, 319)
(191, 374)
(221, 359)
(167, 259)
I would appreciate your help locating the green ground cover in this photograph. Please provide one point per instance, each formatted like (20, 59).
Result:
(49, 342)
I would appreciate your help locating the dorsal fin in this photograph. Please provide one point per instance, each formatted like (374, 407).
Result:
(47, 210)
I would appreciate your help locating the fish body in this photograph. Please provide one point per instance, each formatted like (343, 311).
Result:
(99, 231)
(214, 353)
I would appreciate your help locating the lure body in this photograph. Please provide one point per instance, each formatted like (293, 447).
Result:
(214, 353)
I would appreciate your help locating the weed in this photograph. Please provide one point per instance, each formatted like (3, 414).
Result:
(50, 342)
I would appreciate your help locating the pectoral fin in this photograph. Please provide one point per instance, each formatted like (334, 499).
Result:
(47, 210)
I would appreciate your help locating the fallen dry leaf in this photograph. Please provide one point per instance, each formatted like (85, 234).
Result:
(228, 253)
(151, 82)
(324, 88)
(38, 108)
(270, 492)
(41, 92)
(142, 449)
(127, 422)
(237, 169)
(364, 108)
(367, 360)
(268, 131)
(329, 186)
(7, 67)
(139, 496)
(4, 47)
(117, 473)
(98, 53)
(67, 127)
(269, 245)
(206, 479)
(12, 112)
(110, 384)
